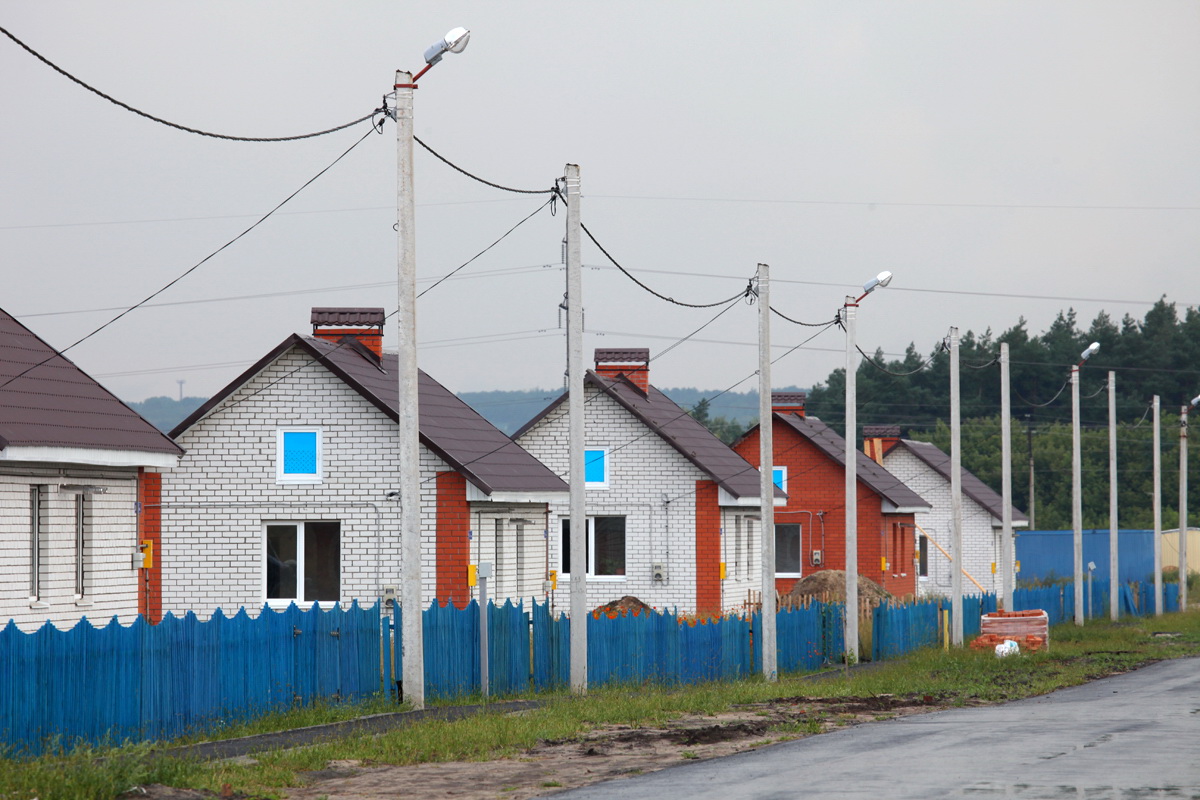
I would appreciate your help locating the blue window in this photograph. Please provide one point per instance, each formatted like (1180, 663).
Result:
(298, 456)
(595, 468)
(779, 476)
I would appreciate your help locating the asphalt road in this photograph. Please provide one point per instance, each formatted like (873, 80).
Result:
(1129, 736)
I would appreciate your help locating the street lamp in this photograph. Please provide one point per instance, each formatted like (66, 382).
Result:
(1076, 480)
(411, 634)
(1183, 504)
(848, 320)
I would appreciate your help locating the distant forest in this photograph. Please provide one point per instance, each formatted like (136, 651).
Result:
(1157, 354)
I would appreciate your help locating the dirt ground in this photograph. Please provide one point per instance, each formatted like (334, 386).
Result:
(602, 754)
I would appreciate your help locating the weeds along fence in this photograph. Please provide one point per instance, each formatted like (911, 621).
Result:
(141, 682)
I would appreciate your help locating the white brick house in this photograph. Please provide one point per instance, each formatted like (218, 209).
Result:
(926, 470)
(284, 493)
(73, 461)
(673, 512)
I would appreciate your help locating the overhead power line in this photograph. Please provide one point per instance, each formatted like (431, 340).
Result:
(192, 268)
(176, 125)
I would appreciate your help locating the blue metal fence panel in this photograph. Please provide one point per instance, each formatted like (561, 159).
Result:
(900, 629)
(800, 636)
(1045, 554)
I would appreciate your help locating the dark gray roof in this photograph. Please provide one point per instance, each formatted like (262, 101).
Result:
(972, 487)
(677, 428)
(870, 473)
(348, 316)
(448, 426)
(56, 404)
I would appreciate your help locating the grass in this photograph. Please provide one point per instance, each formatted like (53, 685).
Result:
(957, 677)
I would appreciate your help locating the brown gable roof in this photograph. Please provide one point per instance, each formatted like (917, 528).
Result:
(56, 404)
(972, 487)
(448, 426)
(677, 428)
(875, 477)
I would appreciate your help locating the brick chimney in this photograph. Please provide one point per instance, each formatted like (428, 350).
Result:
(632, 363)
(879, 439)
(788, 402)
(364, 324)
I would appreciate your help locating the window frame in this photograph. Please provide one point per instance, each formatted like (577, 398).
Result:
(799, 550)
(80, 516)
(318, 475)
(564, 545)
(606, 467)
(36, 494)
(782, 472)
(299, 599)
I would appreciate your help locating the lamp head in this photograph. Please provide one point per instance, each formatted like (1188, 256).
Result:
(1092, 349)
(1195, 401)
(882, 279)
(453, 42)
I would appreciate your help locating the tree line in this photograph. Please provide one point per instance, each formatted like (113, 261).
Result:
(1156, 355)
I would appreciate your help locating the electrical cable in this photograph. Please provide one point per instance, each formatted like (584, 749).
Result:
(1066, 383)
(474, 177)
(783, 316)
(627, 274)
(194, 267)
(887, 371)
(671, 347)
(175, 125)
(449, 274)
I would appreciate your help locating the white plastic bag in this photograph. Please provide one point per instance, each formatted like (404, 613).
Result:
(1007, 648)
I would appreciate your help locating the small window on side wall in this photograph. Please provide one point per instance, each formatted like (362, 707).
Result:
(298, 455)
(595, 468)
(779, 478)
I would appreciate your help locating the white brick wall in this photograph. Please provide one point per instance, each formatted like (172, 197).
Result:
(110, 583)
(981, 542)
(212, 556)
(644, 473)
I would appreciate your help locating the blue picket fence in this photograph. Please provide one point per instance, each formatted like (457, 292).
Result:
(89, 684)
(161, 681)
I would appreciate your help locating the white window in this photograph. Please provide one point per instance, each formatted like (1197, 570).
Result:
(35, 542)
(298, 455)
(595, 467)
(779, 477)
(302, 562)
(787, 551)
(82, 545)
(605, 548)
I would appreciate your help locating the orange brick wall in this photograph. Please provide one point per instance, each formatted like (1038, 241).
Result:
(371, 337)
(708, 549)
(818, 483)
(453, 547)
(149, 495)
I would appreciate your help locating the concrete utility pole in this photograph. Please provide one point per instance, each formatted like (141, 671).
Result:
(1007, 578)
(1029, 444)
(1183, 505)
(766, 478)
(956, 517)
(1158, 584)
(411, 634)
(576, 436)
(1076, 497)
(1077, 481)
(484, 571)
(1113, 595)
(849, 312)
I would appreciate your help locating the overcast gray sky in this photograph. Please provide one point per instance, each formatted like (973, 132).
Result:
(1003, 159)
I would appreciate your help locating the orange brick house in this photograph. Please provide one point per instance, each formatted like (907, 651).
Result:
(810, 531)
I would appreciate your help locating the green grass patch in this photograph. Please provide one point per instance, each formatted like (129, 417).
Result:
(956, 677)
